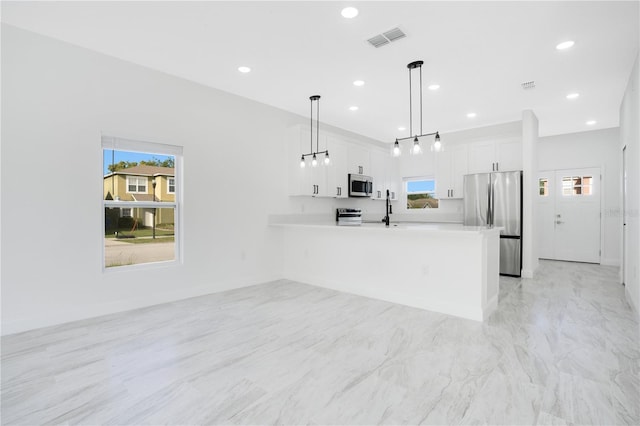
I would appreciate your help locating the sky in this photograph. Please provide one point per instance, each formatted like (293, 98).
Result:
(127, 156)
(421, 186)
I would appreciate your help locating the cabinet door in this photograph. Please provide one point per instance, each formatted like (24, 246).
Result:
(443, 174)
(337, 179)
(459, 168)
(358, 160)
(306, 180)
(509, 155)
(482, 157)
(379, 162)
(393, 179)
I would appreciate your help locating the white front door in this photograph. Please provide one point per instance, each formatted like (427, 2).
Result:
(569, 215)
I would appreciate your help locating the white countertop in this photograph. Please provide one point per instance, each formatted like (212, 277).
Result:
(397, 226)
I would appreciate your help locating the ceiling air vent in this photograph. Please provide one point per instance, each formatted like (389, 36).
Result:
(394, 34)
(378, 40)
(528, 85)
(386, 37)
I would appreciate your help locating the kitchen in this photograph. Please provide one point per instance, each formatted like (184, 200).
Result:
(61, 94)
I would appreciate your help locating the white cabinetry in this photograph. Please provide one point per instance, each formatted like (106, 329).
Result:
(306, 180)
(379, 174)
(452, 165)
(358, 160)
(337, 179)
(493, 156)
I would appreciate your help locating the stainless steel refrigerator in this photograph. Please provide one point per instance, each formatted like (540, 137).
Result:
(495, 200)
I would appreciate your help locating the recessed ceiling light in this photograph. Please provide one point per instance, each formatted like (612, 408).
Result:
(573, 95)
(358, 83)
(349, 12)
(244, 70)
(402, 128)
(353, 108)
(433, 87)
(471, 115)
(591, 122)
(565, 45)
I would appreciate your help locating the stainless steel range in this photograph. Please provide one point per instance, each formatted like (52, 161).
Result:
(349, 217)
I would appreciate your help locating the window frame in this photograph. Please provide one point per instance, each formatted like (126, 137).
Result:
(122, 144)
(406, 193)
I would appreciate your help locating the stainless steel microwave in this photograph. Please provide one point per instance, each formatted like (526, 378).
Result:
(360, 185)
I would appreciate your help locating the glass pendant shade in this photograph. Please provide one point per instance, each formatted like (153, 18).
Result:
(327, 160)
(415, 149)
(314, 161)
(437, 146)
(302, 163)
(396, 149)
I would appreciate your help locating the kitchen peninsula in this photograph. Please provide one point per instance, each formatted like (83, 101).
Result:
(447, 268)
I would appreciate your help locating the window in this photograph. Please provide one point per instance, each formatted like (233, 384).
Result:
(577, 185)
(136, 184)
(421, 193)
(544, 187)
(138, 227)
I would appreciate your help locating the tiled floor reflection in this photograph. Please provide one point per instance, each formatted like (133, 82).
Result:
(561, 349)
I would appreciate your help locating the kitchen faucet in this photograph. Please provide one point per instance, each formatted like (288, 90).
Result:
(388, 211)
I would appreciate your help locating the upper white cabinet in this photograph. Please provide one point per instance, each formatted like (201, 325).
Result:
(358, 160)
(509, 155)
(333, 180)
(379, 166)
(337, 175)
(505, 155)
(452, 165)
(308, 180)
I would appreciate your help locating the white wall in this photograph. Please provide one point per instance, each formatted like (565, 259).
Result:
(630, 137)
(597, 148)
(56, 101)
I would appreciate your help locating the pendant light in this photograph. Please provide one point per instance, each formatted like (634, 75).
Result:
(416, 149)
(314, 154)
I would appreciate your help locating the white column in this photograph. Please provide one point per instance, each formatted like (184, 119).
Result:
(529, 185)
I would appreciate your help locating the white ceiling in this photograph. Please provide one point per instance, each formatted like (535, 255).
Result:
(479, 52)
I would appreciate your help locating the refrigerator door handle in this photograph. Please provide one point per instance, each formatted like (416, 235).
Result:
(489, 212)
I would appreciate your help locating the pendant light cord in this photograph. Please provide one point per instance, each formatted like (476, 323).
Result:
(420, 99)
(410, 107)
(318, 125)
(311, 123)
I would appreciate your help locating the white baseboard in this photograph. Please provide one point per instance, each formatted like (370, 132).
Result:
(610, 262)
(51, 318)
(527, 273)
(631, 302)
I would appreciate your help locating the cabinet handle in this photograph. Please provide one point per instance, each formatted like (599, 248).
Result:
(452, 193)
(337, 190)
(393, 195)
(360, 171)
(497, 166)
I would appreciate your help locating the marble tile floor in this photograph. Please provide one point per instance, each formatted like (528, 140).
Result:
(562, 348)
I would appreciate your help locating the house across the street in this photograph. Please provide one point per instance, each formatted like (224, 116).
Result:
(137, 184)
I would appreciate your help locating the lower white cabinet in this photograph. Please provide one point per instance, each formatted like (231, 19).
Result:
(452, 165)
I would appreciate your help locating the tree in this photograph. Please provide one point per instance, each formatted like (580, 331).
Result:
(169, 162)
(121, 165)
